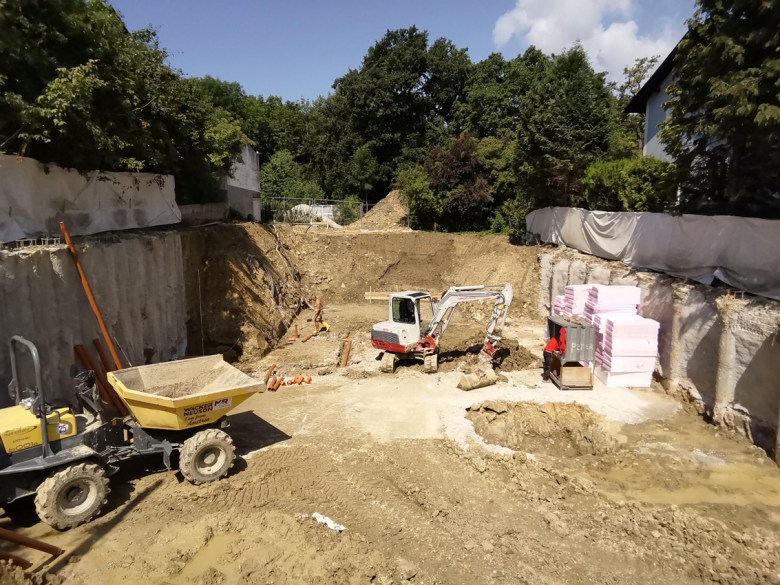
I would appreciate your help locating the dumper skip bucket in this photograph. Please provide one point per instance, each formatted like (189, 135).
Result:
(183, 394)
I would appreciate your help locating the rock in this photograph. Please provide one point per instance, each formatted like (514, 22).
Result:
(488, 547)
(497, 406)
(406, 569)
(655, 534)
(479, 464)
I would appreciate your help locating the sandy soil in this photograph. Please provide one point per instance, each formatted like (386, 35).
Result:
(515, 483)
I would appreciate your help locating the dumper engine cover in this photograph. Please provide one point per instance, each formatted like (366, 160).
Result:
(20, 429)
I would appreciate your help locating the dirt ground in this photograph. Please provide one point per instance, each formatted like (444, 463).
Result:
(514, 483)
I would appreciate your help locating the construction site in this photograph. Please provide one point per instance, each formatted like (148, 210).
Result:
(350, 471)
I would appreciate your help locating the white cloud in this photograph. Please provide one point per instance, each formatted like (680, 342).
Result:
(603, 27)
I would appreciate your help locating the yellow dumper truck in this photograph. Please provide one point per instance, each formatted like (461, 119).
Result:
(62, 459)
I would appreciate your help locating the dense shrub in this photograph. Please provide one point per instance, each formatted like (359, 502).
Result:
(635, 184)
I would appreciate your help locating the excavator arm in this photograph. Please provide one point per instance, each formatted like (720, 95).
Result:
(456, 295)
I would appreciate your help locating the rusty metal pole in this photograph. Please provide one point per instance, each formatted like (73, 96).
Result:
(102, 355)
(106, 391)
(18, 561)
(90, 296)
(28, 542)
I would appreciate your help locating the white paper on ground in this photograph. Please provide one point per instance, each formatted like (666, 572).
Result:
(328, 522)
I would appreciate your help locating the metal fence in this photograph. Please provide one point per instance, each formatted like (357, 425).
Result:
(305, 210)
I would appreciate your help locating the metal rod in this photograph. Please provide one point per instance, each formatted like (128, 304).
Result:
(28, 542)
(200, 311)
(18, 561)
(102, 355)
(90, 296)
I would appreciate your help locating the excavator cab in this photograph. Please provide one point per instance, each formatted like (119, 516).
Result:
(404, 326)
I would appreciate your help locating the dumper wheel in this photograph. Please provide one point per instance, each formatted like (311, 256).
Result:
(207, 456)
(431, 363)
(72, 496)
(387, 365)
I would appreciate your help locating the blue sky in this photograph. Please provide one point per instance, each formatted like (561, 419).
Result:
(296, 48)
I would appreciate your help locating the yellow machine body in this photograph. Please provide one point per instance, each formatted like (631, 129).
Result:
(210, 389)
(20, 429)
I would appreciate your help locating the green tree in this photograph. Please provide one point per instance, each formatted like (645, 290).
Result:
(363, 172)
(723, 128)
(424, 206)
(283, 177)
(565, 126)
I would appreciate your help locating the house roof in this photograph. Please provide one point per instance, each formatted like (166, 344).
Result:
(652, 85)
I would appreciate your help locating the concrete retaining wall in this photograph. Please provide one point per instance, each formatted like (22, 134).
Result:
(199, 214)
(138, 282)
(718, 350)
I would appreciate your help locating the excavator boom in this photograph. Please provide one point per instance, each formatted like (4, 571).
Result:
(457, 295)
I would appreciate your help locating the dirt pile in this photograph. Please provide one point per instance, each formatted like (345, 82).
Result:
(558, 428)
(390, 214)
(12, 575)
(186, 387)
(512, 356)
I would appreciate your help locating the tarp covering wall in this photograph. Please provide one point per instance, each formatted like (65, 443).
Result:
(35, 197)
(743, 252)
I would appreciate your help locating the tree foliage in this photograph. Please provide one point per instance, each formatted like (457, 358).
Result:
(565, 126)
(724, 125)
(633, 184)
(474, 146)
(282, 176)
(77, 89)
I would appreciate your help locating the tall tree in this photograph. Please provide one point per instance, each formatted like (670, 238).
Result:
(565, 125)
(724, 124)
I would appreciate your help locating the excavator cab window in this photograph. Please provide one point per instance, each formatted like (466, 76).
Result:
(403, 311)
(425, 310)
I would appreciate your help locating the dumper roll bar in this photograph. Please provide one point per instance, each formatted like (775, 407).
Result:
(39, 403)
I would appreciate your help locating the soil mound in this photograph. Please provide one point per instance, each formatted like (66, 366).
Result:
(390, 214)
(12, 575)
(512, 356)
(554, 428)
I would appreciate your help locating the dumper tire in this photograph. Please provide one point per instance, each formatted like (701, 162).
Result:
(431, 363)
(207, 456)
(72, 496)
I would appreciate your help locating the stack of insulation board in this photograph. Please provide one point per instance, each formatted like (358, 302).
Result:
(574, 299)
(627, 350)
(558, 305)
(611, 299)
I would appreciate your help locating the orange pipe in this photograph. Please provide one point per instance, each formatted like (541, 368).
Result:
(106, 391)
(269, 385)
(102, 355)
(307, 338)
(24, 564)
(270, 372)
(295, 333)
(345, 353)
(279, 382)
(28, 542)
(90, 296)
